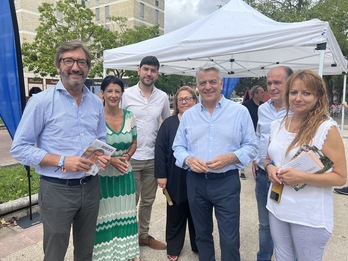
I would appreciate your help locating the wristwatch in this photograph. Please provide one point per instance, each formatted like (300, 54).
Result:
(186, 161)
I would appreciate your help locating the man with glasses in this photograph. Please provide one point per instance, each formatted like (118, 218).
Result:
(63, 121)
(150, 106)
(269, 111)
(215, 138)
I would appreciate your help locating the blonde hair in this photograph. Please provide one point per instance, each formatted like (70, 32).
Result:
(183, 88)
(315, 84)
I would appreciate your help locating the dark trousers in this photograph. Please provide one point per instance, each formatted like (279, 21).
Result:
(178, 215)
(221, 192)
(62, 206)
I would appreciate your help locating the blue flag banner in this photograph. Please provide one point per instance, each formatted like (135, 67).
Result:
(228, 86)
(12, 93)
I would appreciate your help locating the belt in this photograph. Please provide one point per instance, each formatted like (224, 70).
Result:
(213, 175)
(68, 182)
(262, 171)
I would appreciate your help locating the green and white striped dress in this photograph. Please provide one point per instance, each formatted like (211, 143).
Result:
(117, 226)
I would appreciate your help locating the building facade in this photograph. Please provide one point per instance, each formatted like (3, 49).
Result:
(137, 12)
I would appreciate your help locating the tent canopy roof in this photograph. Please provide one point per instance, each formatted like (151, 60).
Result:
(239, 40)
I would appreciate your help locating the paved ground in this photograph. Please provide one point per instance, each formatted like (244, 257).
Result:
(18, 244)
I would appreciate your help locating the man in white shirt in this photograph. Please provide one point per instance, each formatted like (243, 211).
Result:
(150, 106)
(269, 111)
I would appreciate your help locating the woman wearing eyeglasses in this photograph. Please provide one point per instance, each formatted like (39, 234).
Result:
(173, 178)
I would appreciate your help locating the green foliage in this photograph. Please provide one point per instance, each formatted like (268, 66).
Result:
(171, 83)
(167, 83)
(77, 22)
(333, 11)
(247, 83)
(14, 183)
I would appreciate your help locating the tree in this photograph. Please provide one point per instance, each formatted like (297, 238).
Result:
(75, 21)
(333, 11)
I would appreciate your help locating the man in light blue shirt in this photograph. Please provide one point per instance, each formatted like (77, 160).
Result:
(62, 121)
(215, 138)
(269, 111)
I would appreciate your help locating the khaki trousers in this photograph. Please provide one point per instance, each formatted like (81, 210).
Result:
(146, 187)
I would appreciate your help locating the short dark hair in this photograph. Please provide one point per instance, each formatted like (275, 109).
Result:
(111, 79)
(34, 90)
(70, 46)
(150, 60)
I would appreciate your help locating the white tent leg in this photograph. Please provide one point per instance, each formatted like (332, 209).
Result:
(321, 65)
(344, 97)
(104, 72)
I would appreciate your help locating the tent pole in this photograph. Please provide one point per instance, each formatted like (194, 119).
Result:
(321, 65)
(344, 98)
(104, 72)
(27, 168)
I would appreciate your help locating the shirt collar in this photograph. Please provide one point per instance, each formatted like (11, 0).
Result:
(61, 87)
(141, 92)
(220, 103)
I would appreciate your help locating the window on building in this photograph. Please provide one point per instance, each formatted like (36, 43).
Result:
(142, 11)
(157, 3)
(107, 13)
(156, 16)
(97, 15)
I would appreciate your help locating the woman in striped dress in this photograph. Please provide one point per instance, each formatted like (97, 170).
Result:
(117, 226)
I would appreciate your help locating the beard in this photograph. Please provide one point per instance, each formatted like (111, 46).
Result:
(148, 82)
(69, 78)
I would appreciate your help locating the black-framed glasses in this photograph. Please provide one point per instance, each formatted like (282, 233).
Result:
(186, 99)
(70, 62)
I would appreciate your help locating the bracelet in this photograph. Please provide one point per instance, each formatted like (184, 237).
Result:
(128, 155)
(269, 163)
(61, 164)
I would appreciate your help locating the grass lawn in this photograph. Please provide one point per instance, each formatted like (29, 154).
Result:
(14, 182)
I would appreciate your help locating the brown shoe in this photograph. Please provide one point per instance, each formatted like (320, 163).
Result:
(151, 242)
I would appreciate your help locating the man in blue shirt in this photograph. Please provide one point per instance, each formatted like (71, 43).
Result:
(62, 121)
(269, 111)
(215, 138)
(252, 105)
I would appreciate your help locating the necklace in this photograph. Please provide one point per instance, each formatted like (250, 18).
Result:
(293, 129)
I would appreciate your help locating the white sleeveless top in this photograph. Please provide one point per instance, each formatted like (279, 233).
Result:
(311, 206)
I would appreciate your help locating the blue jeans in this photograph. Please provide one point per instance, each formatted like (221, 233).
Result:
(265, 240)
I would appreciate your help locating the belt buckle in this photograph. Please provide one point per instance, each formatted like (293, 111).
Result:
(82, 181)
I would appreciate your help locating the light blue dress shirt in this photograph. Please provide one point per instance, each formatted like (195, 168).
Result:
(56, 124)
(229, 129)
(267, 113)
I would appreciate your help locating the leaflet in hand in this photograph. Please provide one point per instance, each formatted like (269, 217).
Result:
(309, 159)
(95, 149)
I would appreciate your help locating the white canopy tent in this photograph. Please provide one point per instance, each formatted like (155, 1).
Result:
(239, 40)
(242, 42)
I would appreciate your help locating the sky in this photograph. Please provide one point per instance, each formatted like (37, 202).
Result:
(179, 13)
